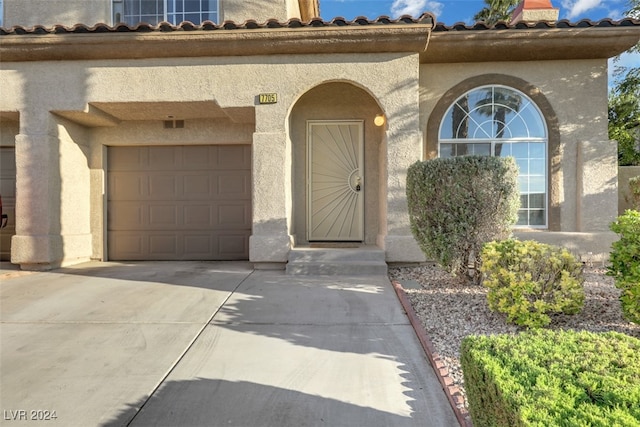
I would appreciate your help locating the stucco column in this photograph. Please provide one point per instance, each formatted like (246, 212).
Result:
(597, 182)
(37, 244)
(270, 241)
(403, 149)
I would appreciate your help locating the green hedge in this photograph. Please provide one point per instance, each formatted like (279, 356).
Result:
(552, 378)
(625, 263)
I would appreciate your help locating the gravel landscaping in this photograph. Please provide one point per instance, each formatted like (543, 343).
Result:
(451, 309)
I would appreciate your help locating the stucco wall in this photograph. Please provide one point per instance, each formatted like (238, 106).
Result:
(52, 12)
(90, 12)
(231, 82)
(584, 181)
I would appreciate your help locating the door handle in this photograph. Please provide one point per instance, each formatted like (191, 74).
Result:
(358, 186)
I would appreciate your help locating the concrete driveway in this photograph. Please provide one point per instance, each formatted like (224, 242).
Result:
(209, 344)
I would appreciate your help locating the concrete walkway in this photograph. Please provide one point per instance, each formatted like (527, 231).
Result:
(209, 344)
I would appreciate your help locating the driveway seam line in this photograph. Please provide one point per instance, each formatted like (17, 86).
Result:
(186, 350)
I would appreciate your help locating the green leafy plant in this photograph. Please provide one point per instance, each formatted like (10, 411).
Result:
(457, 204)
(625, 263)
(552, 378)
(528, 280)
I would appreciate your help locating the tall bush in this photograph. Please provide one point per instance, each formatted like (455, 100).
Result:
(457, 204)
(625, 263)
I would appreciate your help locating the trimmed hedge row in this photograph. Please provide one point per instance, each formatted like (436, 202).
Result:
(625, 263)
(553, 378)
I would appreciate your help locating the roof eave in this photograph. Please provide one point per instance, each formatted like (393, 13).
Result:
(529, 45)
(95, 46)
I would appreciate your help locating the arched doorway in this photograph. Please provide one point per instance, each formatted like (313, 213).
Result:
(337, 163)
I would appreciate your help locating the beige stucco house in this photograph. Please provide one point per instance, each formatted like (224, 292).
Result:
(265, 129)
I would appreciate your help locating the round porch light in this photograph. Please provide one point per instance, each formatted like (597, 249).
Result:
(379, 120)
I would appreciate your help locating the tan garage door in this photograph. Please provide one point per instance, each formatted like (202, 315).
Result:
(179, 203)
(8, 193)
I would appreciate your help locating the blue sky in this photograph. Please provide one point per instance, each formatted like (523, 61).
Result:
(453, 11)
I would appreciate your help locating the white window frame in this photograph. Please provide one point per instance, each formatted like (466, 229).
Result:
(494, 141)
(165, 15)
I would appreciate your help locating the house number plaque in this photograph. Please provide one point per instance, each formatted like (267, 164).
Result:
(268, 98)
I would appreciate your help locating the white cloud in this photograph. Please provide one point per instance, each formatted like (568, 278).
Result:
(415, 8)
(576, 8)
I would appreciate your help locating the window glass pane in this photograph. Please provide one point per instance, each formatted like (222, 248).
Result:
(210, 5)
(192, 17)
(523, 217)
(447, 150)
(210, 16)
(536, 166)
(192, 5)
(523, 166)
(534, 121)
(536, 184)
(536, 150)
(502, 150)
(536, 217)
(180, 6)
(524, 201)
(171, 6)
(149, 7)
(480, 149)
(536, 201)
(520, 150)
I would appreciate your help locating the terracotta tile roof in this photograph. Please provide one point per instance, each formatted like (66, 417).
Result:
(315, 22)
(166, 27)
(585, 23)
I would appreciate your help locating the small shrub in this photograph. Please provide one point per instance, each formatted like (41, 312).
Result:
(634, 186)
(552, 378)
(527, 280)
(625, 263)
(457, 204)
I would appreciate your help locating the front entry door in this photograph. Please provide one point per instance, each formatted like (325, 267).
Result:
(335, 181)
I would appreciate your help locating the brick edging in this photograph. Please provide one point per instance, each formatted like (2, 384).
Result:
(442, 372)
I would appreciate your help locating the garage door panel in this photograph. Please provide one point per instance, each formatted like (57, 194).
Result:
(165, 244)
(233, 157)
(163, 158)
(199, 157)
(198, 216)
(197, 186)
(233, 214)
(127, 186)
(182, 207)
(129, 246)
(233, 185)
(127, 215)
(232, 246)
(163, 187)
(126, 159)
(164, 217)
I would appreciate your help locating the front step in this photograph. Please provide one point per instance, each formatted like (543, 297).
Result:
(365, 260)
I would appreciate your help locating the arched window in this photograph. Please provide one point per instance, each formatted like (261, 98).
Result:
(497, 120)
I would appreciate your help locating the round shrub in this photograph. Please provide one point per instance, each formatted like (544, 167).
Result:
(528, 280)
(625, 263)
